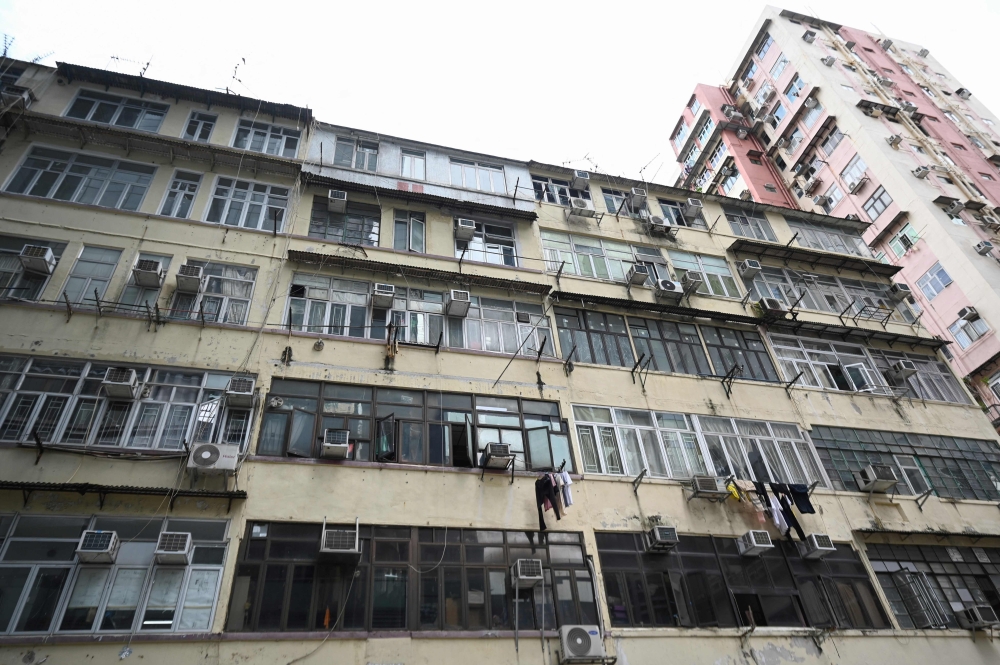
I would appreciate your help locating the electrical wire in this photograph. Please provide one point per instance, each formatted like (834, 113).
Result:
(333, 625)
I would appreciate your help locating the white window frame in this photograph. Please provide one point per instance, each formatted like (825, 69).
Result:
(855, 170)
(484, 173)
(146, 109)
(961, 330)
(412, 158)
(199, 120)
(226, 302)
(709, 286)
(794, 89)
(86, 293)
(267, 132)
(268, 198)
(487, 246)
(12, 281)
(323, 297)
(414, 238)
(145, 295)
(183, 189)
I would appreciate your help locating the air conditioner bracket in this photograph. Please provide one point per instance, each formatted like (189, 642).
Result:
(509, 465)
(922, 499)
(605, 660)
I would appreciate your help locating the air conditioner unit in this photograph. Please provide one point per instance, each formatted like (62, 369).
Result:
(710, 486)
(921, 172)
(885, 44)
(858, 185)
(580, 180)
(732, 115)
(852, 217)
(465, 229)
(693, 208)
(811, 184)
(661, 539)
(963, 93)
(496, 456)
(37, 259)
(903, 369)
(817, 546)
(955, 207)
(828, 60)
(900, 291)
(969, 313)
(772, 307)
(147, 273)
(522, 317)
(637, 274)
(990, 222)
(821, 200)
(336, 201)
(692, 280)
(780, 143)
(174, 547)
(770, 119)
(383, 296)
(340, 541)
(189, 278)
(746, 195)
(754, 543)
(336, 443)
(749, 84)
(638, 198)
(984, 247)
(659, 225)
(809, 36)
(239, 392)
(749, 268)
(894, 140)
(580, 208)
(877, 478)
(457, 303)
(214, 457)
(811, 102)
(526, 573)
(977, 616)
(98, 547)
(906, 241)
(669, 290)
(907, 107)
(581, 644)
(886, 82)
(923, 53)
(121, 383)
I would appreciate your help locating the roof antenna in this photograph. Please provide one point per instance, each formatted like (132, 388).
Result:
(7, 41)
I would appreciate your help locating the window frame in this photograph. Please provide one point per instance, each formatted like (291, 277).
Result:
(877, 203)
(267, 198)
(709, 286)
(271, 132)
(226, 301)
(16, 280)
(146, 109)
(479, 168)
(200, 120)
(181, 194)
(414, 229)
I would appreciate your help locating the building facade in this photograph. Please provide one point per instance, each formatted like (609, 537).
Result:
(861, 126)
(277, 391)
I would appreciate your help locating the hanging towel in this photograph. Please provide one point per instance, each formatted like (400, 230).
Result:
(545, 492)
(733, 491)
(800, 495)
(793, 522)
(567, 493)
(778, 516)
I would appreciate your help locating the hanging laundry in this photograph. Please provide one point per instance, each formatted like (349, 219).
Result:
(778, 516)
(800, 495)
(733, 491)
(545, 493)
(790, 519)
(567, 493)
(762, 492)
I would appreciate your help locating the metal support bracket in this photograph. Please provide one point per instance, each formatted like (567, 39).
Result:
(97, 299)
(38, 446)
(788, 386)
(922, 499)
(541, 350)
(637, 480)
(636, 366)
(559, 274)
(568, 363)
(69, 307)
(727, 380)
(437, 347)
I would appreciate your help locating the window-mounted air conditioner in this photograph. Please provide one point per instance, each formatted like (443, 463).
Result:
(749, 83)
(811, 103)
(465, 229)
(990, 222)
(923, 53)
(189, 278)
(336, 443)
(121, 383)
(746, 195)
(522, 317)
(383, 295)
(817, 546)
(900, 291)
(872, 112)
(969, 313)
(963, 93)
(878, 478)
(906, 241)
(214, 457)
(921, 172)
(772, 307)
(638, 198)
(903, 369)
(983, 247)
(637, 274)
(955, 207)
(709, 486)
(907, 107)
(661, 539)
(749, 268)
(174, 547)
(526, 573)
(811, 184)
(457, 303)
(580, 180)
(770, 119)
(496, 456)
(336, 201)
(579, 207)
(977, 616)
(581, 644)
(852, 217)
(98, 547)
(754, 543)
(885, 44)
(37, 259)
(658, 224)
(693, 208)
(239, 392)
(894, 140)
(732, 115)
(808, 36)
(692, 280)
(828, 60)
(147, 273)
(886, 82)
(780, 143)
(669, 290)
(821, 200)
(858, 184)
(340, 541)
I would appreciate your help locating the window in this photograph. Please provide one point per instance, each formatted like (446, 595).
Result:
(826, 293)
(358, 225)
(951, 116)
(266, 138)
(928, 92)
(854, 172)
(764, 45)
(15, 281)
(988, 121)
(779, 66)
(596, 337)
(491, 243)
(502, 326)
(413, 164)
(63, 595)
(779, 114)
(226, 296)
(899, 245)
(673, 214)
(986, 176)
(945, 179)
(706, 131)
(844, 86)
(933, 380)
(11, 75)
(715, 269)
(812, 115)
(833, 197)
(408, 231)
(827, 365)
(966, 332)
(91, 273)
(694, 105)
(958, 146)
(409, 578)
(180, 195)
(597, 258)
(729, 183)
(618, 202)
(877, 203)
(829, 238)
(476, 175)
(66, 176)
(331, 306)
(748, 224)
(119, 111)
(64, 401)
(552, 190)
(917, 149)
(366, 156)
(976, 142)
(794, 89)
(199, 127)
(136, 299)
(832, 140)
(689, 160)
(673, 347)
(681, 134)
(749, 72)
(729, 348)
(250, 205)
(954, 467)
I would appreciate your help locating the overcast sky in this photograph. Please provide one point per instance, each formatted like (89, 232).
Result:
(550, 81)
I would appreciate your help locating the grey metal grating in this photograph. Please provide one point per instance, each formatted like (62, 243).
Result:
(97, 541)
(339, 539)
(173, 542)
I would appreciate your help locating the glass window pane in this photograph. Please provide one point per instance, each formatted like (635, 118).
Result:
(81, 610)
(42, 599)
(163, 598)
(199, 600)
(11, 585)
(119, 613)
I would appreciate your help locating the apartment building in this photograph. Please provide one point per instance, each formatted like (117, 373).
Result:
(277, 391)
(861, 126)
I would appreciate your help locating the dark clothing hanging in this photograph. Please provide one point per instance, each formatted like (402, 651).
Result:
(762, 493)
(793, 523)
(800, 495)
(545, 489)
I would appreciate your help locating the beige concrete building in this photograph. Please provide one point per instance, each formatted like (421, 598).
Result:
(279, 391)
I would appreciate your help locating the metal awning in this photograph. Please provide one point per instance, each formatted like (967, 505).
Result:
(103, 491)
(900, 216)
(884, 108)
(811, 21)
(210, 98)
(848, 333)
(391, 270)
(939, 533)
(813, 257)
(569, 298)
(828, 124)
(130, 140)
(401, 195)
